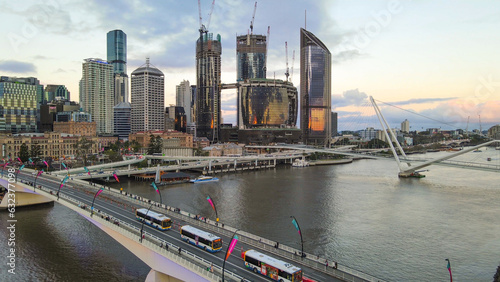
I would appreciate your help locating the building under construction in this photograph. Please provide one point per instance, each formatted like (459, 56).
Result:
(267, 103)
(251, 56)
(208, 73)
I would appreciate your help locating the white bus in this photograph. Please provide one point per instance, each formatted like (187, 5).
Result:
(153, 219)
(202, 239)
(273, 268)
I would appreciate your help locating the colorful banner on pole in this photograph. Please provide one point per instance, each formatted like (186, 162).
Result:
(294, 222)
(211, 203)
(156, 188)
(66, 168)
(116, 176)
(20, 168)
(231, 246)
(40, 172)
(19, 159)
(99, 192)
(86, 170)
(46, 164)
(31, 161)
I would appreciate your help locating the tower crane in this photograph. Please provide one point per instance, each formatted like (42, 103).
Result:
(253, 17)
(267, 47)
(293, 60)
(286, 54)
(204, 29)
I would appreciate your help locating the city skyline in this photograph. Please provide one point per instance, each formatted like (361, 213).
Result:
(441, 58)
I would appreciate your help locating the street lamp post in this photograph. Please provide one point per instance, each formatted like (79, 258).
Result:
(4, 166)
(92, 206)
(161, 203)
(60, 186)
(19, 170)
(296, 224)
(449, 269)
(36, 177)
(213, 207)
(230, 248)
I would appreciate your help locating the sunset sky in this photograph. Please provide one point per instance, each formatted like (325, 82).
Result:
(437, 58)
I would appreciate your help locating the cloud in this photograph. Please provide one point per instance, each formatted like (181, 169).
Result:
(17, 67)
(421, 101)
(351, 97)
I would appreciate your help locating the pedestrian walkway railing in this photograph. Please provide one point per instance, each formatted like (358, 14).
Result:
(310, 260)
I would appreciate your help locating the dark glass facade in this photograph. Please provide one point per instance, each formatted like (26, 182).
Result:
(122, 120)
(55, 92)
(117, 51)
(208, 73)
(315, 90)
(267, 103)
(251, 56)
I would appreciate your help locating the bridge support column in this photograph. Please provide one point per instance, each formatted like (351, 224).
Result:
(155, 276)
(129, 167)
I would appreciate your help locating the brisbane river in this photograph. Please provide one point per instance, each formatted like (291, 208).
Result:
(359, 214)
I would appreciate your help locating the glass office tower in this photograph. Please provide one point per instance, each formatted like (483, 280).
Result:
(251, 56)
(208, 74)
(267, 103)
(117, 56)
(315, 90)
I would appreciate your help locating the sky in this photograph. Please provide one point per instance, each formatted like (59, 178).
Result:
(438, 59)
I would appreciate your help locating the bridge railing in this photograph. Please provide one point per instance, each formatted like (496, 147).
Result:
(189, 260)
(342, 272)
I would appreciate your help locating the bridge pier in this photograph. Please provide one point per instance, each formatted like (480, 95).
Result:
(155, 276)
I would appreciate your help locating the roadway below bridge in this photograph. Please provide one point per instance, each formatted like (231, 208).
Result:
(120, 207)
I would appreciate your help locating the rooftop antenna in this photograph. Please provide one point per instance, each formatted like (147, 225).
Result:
(147, 62)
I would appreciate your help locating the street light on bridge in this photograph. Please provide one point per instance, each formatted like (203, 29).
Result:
(296, 224)
(230, 248)
(36, 177)
(4, 166)
(92, 206)
(60, 186)
(144, 220)
(213, 207)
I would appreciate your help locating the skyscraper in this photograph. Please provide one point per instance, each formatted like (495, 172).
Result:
(117, 56)
(183, 98)
(55, 92)
(148, 98)
(19, 105)
(267, 103)
(208, 74)
(122, 119)
(315, 90)
(96, 93)
(251, 56)
(405, 126)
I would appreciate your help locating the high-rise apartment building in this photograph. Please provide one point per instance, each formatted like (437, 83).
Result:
(208, 74)
(251, 56)
(148, 98)
(183, 98)
(405, 126)
(335, 126)
(315, 90)
(19, 104)
(122, 119)
(117, 56)
(97, 93)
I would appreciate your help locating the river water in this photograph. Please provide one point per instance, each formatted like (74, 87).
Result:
(360, 214)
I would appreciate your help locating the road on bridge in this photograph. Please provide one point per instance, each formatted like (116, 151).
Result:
(122, 207)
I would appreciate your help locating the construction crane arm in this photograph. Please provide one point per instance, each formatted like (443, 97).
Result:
(253, 18)
(210, 14)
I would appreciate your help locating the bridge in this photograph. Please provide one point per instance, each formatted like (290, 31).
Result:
(114, 214)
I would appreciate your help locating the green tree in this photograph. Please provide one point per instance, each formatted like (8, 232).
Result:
(155, 144)
(83, 148)
(496, 277)
(35, 152)
(135, 146)
(24, 153)
(376, 144)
